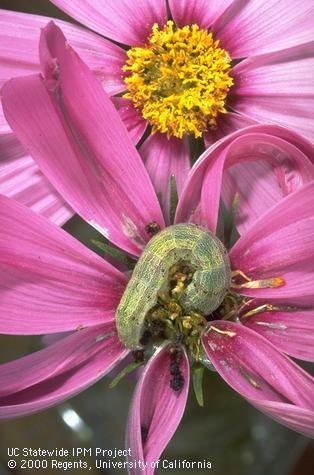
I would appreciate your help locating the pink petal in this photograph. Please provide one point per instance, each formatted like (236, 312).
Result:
(199, 12)
(296, 418)
(262, 26)
(49, 281)
(78, 139)
(280, 243)
(57, 358)
(131, 117)
(52, 338)
(255, 369)
(278, 87)
(21, 179)
(291, 332)
(163, 159)
(227, 124)
(81, 368)
(258, 161)
(19, 38)
(258, 177)
(126, 21)
(156, 411)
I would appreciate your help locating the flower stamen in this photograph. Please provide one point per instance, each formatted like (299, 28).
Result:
(179, 80)
(271, 283)
(262, 308)
(223, 332)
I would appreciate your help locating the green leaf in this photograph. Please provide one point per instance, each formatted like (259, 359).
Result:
(173, 198)
(127, 370)
(114, 252)
(159, 197)
(197, 378)
(231, 234)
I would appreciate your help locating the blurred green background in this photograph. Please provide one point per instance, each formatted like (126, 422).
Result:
(233, 436)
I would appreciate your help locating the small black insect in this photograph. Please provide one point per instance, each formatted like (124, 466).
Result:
(174, 368)
(177, 382)
(152, 228)
(176, 356)
(138, 355)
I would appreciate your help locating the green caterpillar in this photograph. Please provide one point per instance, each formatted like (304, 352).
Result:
(180, 242)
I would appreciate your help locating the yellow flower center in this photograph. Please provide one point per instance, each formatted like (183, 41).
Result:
(179, 80)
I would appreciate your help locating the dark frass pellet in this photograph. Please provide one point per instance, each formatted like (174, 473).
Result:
(138, 356)
(174, 368)
(177, 382)
(146, 337)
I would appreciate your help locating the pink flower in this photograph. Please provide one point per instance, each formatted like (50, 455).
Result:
(51, 283)
(269, 42)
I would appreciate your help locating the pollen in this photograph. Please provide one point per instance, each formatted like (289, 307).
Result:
(179, 80)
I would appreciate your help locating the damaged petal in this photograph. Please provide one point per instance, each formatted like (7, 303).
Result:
(249, 378)
(274, 326)
(105, 336)
(130, 230)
